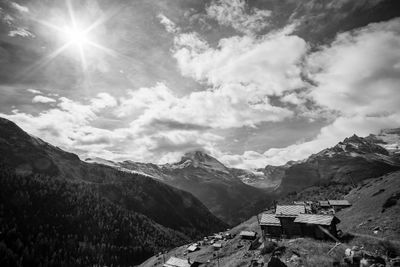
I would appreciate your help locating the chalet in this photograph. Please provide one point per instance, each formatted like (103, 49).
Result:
(286, 215)
(317, 225)
(217, 246)
(309, 205)
(218, 237)
(339, 204)
(249, 235)
(193, 247)
(270, 225)
(177, 262)
(324, 204)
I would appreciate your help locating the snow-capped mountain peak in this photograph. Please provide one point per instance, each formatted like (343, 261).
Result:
(199, 159)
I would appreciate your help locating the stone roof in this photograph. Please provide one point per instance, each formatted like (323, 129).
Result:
(324, 203)
(247, 233)
(318, 219)
(176, 262)
(269, 219)
(341, 202)
(289, 210)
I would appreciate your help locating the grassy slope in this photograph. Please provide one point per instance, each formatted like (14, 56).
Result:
(366, 213)
(314, 252)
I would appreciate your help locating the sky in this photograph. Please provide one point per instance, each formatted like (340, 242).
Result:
(253, 83)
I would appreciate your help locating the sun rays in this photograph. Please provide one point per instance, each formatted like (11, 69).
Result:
(75, 35)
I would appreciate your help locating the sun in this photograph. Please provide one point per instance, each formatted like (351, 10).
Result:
(77, 33)
(76, 36)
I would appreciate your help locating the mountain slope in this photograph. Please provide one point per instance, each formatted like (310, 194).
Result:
(68, 224)
(164, 204)
(375, 206)
(365, 216)
(350, 161)
(217, 186)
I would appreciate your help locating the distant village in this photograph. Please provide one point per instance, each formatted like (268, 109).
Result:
(315, 219)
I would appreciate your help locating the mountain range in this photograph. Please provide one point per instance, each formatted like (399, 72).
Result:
(177, 202)
(223, 190)
(350, 161)
(166, 205)
(217, 186)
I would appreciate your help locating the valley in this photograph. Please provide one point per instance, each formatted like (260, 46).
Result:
(145, 209)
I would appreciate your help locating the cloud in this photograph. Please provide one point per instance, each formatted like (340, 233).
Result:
(20, 8)
(242, 73)
(359, 73)
(357, 76)
(76, 126)
(271, 63)
(20, 32)
(238, 15)
(43, 99)
(169, 25)
(329, 136)
(226, 107)
(66, 123)
(34, 91)
(245, 81)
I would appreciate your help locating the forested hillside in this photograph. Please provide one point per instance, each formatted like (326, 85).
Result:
(166, 205)
(46, 221)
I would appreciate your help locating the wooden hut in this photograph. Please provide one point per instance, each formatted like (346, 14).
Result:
(217, 246)
(286, 215)
(317, 225)
(270, 225)
(177, 262)
(193, 247)
(324, 204)
(339, 204)
(249, 235)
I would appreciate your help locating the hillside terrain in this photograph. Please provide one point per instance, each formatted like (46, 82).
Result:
(51, 221)
(121, 213)
(372, 222)
(376, 208)
(234, 194)
(184, 215)
(220, 188)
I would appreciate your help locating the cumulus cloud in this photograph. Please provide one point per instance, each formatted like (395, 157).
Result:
(226, 107)
(249, 80)
(43, 99)
(76, 126)
(66, 123)
(359, 73)
(238, 15)
(357, 76)
(271, 63)
(242, 74)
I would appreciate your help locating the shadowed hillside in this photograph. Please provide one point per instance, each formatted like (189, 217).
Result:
(166, 205)
(217, 186)
(51, 221)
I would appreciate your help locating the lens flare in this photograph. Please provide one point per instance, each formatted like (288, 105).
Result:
(76, 36)
(73, 34)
